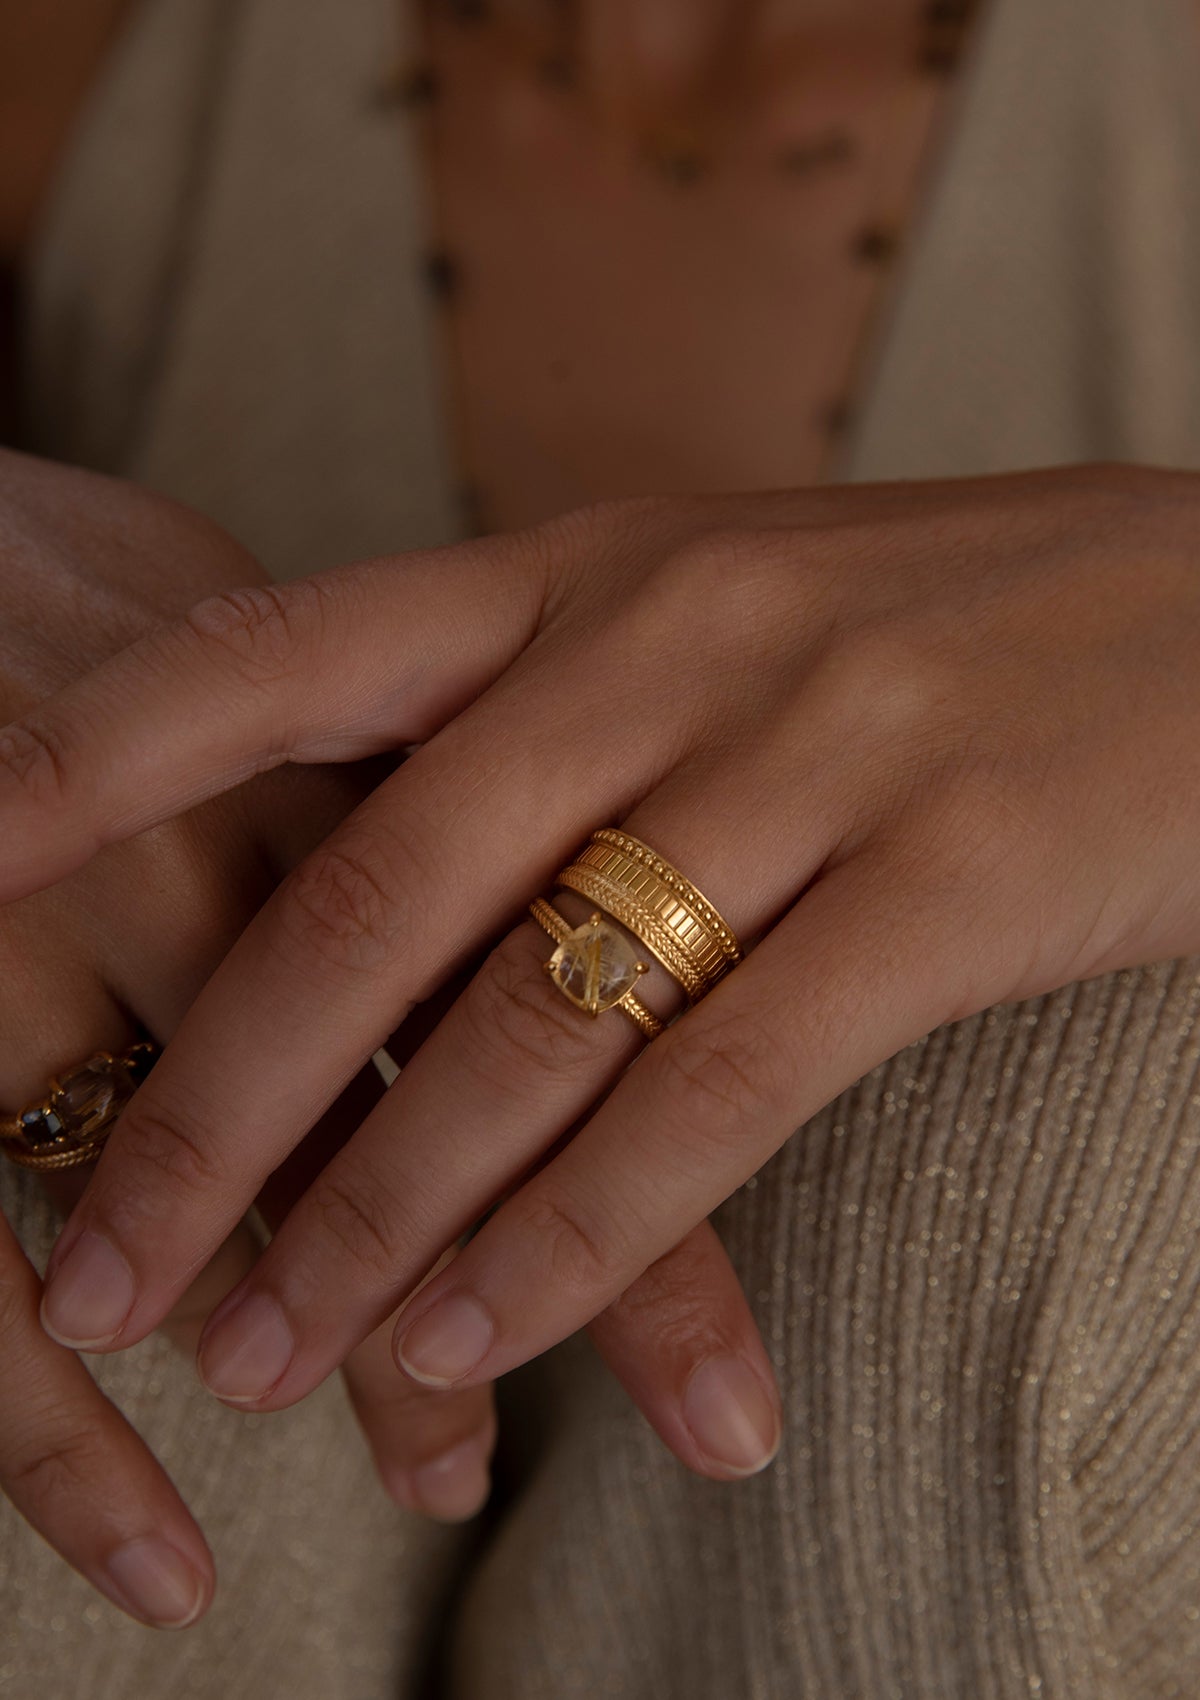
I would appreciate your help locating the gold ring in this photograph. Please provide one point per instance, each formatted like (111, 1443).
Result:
(670, 915)
(71, 1123)
(595, 966)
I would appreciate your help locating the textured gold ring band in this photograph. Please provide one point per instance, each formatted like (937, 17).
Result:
(657, 938)
(71, 1123)
(549, 919)
(668, 913)
(683, 889)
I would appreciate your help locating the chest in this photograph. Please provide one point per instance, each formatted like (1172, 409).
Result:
(627, 312)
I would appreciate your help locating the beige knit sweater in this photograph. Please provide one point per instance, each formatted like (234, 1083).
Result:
(979, 1269)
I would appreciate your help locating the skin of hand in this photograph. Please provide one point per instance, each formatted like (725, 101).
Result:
(927, 747)
(89, 565)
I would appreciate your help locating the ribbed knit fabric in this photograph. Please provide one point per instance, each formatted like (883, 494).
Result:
(326, 1591)
(979, 1270)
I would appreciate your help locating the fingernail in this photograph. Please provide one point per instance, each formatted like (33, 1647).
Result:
(730, 1415)
(246, 1354)
(157, 1582)
(90, 1294)
(447, 1342)
(450, 1488)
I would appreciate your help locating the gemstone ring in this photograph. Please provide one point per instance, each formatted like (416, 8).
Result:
(71, 1123)
(595, 966)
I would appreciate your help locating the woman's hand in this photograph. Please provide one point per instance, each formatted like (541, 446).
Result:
(927, 748)
(88, 565)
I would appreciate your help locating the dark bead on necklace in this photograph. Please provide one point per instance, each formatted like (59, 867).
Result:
(418, 86)
(470, 506)
(875, 245)
(678, 160)
(682, 169)
(940, 57)
(557, 71)
(798, 159)
(409, 86)
(442, 275)
(836, 418)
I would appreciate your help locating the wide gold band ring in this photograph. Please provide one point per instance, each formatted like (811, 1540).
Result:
(71, 1123)
(671, 916)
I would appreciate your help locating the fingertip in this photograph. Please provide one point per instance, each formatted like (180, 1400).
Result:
(451, 1488)
(733, 1418)
(151, 1579)
(88, 1298)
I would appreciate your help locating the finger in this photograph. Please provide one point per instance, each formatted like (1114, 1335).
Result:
(363, 929)
(861, 967)
(683, 1343)
(681, 1340)
(76, 1470)
(228, 1266)
(251, 679)
(432, 1449)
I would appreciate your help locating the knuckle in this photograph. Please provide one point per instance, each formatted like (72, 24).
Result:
(677, 1318)
(595, 524)
(54, 1469)
(36, 758)
(516, 1021)
(339, 907)
(262, 629)
(579, 1257)
(901, 680)
(153, 1147)
(362, 1220)
(17, 1312)
(702, 571)
(729, 574)
(727, 1067)
(688, 1282)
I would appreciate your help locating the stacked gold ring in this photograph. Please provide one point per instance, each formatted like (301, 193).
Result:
(70, 1124)
(596, 966)
(670, 915)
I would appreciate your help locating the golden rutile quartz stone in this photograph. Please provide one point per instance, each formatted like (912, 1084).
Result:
(596, 965)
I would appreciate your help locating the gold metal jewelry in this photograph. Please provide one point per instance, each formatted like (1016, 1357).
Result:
(683, 888)
(670, 915)
(657, 938)
(590, 966)
(71, 1123)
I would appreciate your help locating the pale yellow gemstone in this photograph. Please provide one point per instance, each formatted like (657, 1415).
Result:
(595, 966)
